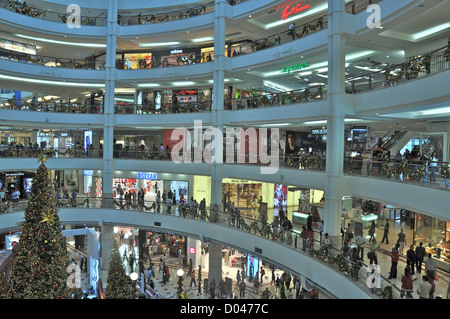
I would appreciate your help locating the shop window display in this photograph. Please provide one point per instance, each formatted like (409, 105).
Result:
(435, 236)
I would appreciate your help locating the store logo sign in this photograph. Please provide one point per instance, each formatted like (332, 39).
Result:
(87, 172)
(295, 67)
(299, 7)
(176, 51)
(147, 176)
(74, 20)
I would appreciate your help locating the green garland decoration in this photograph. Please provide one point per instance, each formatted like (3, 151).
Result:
(5, 208)
(445, 172)
(387, 292)
(387, 169)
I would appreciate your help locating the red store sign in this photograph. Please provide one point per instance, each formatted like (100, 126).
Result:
(186, 92)
(295, 9)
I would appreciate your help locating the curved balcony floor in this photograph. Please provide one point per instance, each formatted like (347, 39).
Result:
(419, 198)
(295, 261)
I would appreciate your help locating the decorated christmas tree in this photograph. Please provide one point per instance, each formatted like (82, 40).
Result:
(40, 267)
(119, 285)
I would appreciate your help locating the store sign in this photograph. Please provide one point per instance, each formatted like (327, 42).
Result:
(176, 51)
(88, 172)
(18, 47)
(147, 176)
(186, 92)
(295, 67)
(192, 250)
(299, 7)
(321, 131)
(14, 174)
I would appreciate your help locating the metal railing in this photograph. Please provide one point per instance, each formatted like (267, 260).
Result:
(415, 68)
(42, 105)
(49, 61)
(338, 260)
(49, 15)
(16, 151)
(419, 172)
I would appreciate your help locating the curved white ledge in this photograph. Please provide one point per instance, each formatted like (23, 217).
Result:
(11, 163)
(203, 21)
(429, 201)
(22, 23)
(66, 119)
(164, 120)
(336, 283)
(41, 72)
(167, 74)
(311, 45)
(408, 196)
(163, 167)
(419, 94)
(284, 113)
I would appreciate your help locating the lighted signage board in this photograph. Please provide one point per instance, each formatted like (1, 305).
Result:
(192, 250)
(319, 131)
(186, 92)
(176, 51)
(295, 67)
(299, 7)
(252, 265)
(88, 172)
(144, 175)
(18, 47)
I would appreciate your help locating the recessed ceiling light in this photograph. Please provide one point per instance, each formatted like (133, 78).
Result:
(249, 15)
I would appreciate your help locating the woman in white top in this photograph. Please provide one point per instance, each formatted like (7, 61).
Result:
(433, 166)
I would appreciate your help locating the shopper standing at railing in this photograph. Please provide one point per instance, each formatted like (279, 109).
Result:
(433, 166)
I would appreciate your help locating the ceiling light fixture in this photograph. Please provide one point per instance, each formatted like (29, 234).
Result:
(63, 83)
(90, 45)
(158, 44)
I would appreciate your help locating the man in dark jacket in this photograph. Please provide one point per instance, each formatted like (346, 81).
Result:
(411, 258)
(420, 255)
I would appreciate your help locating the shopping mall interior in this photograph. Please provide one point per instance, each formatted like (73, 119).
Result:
(221, 140)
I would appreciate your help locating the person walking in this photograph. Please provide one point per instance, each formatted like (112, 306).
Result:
(242, 288)
(411, 260)
(407, 284)
(372, 255)
(424, 288)
(372, 231)
(420, 255)
(360, 242)
(193, 279)
(262, 272)
(402, 241)
(430, 267)
(189, 267)
(386, 232)
(238, 276)
(394, 262)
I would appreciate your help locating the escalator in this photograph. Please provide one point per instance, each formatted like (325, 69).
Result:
(392, 140)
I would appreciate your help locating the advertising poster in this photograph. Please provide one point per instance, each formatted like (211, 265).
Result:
(180, 188)
(252, 265)
(280, 195)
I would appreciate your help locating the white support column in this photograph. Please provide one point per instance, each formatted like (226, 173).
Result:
(109, 118)
(215, 265)
(107, 241)
(218, 94)
(335, 119)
